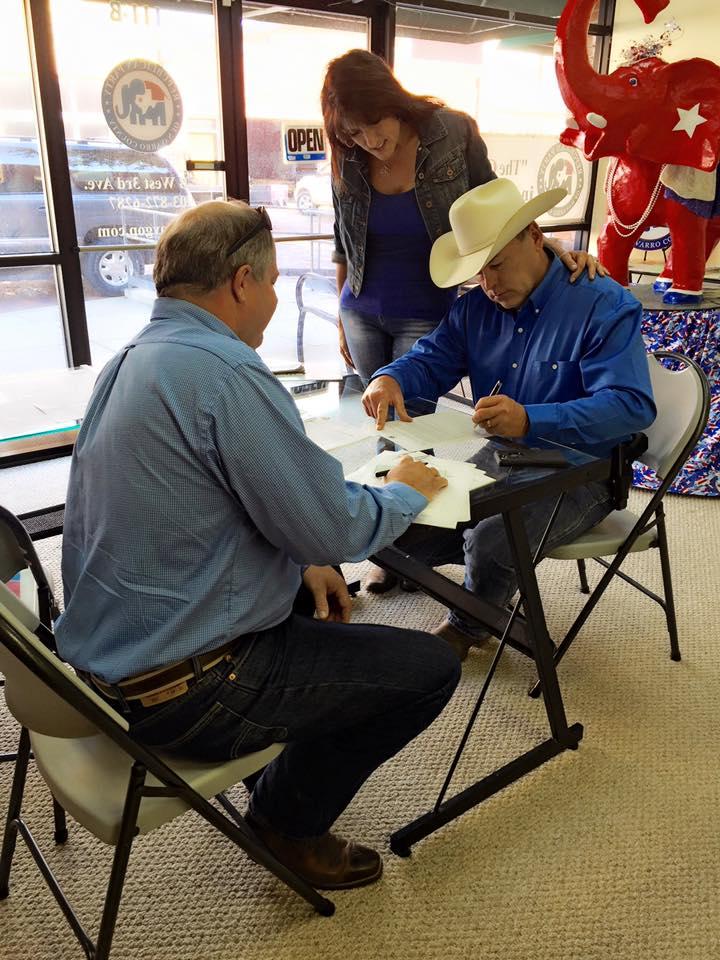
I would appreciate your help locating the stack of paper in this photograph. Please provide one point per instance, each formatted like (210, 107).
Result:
(451, 506)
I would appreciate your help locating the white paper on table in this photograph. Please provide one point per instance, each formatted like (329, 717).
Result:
(432, 429)
(451, 506)
(330, 434)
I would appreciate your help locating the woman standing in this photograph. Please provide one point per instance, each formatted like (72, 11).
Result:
(399, 161)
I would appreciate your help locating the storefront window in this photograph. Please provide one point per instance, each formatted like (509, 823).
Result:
(297, 191)
(31, 330)
(24, 224)
(31, 325)
(140, 93)
(503, 75)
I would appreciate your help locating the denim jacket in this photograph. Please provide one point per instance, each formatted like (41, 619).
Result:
(451, 159)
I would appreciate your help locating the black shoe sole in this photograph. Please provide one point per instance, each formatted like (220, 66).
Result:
(385, 585)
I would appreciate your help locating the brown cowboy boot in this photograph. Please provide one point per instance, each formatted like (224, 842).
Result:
(327, 862)
(459, 641)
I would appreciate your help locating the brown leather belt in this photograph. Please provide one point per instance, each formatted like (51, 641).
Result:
(166, 683)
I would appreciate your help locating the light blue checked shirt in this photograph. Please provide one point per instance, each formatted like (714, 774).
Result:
(194, 498)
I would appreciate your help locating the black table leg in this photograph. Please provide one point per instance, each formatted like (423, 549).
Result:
(563, 736)
(403, 839)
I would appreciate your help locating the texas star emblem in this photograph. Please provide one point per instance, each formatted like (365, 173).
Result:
(689, 119)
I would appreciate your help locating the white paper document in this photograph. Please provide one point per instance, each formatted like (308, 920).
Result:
(431, 430)
(451, 506)
(331, 434)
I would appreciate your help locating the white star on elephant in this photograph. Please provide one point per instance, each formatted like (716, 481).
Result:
(689, 119)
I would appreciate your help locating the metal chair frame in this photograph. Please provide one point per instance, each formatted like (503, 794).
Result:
(145, 762)
(47, 611)
(653, 516)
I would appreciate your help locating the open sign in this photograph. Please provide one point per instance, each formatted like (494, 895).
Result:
(303, 142)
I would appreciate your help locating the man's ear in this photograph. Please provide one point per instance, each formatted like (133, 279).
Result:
(538, 237)
(239, 282)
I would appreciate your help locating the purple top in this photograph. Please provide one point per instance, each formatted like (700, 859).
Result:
(397, 280)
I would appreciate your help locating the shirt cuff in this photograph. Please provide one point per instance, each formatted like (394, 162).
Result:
(337, 257)
(542, 420)
(409, 500)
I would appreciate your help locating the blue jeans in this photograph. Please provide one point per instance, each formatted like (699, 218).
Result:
(376, 341)
(344, 697)
(485, 550)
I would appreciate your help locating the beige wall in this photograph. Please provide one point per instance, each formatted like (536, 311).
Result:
(700, 37)
(699, 19)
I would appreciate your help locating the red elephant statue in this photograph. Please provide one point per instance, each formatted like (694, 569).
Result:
(661, 124)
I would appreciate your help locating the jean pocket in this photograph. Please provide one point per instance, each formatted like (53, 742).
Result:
(450, 168)
(222, 734)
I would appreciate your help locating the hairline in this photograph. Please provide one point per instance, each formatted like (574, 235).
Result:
(256, 253)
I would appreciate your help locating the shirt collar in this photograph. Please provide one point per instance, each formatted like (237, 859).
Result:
(169, 308)
(545, 289)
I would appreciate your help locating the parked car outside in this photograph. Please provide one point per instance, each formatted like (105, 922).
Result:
(120, 196)
(313, 191)
(269, 193)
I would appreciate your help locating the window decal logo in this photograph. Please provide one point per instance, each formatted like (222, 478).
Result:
(561, 167)
(142, 105)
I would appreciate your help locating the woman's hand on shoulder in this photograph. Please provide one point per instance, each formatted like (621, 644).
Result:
(577, 261)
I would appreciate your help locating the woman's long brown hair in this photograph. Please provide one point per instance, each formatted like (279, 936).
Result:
(359, 87)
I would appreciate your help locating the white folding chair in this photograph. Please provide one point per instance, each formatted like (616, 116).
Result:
(682, 399)
(18, 557)
(112, 785)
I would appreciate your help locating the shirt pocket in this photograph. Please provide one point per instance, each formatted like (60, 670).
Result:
(557, 380)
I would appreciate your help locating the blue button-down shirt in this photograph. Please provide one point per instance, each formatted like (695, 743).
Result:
(572, 355)
(194, 498)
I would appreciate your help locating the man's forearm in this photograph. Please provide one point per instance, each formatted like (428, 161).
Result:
(605, 416)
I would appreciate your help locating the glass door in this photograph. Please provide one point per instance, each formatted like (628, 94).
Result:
(31, 326)
(287, 172)
(141, 111)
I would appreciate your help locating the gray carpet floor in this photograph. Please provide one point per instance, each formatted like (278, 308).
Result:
(611, 851)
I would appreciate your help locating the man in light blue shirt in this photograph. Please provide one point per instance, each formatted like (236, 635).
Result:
(569, 357)
(196, 506)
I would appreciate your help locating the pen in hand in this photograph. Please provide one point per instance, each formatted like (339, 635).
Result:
(495, 390)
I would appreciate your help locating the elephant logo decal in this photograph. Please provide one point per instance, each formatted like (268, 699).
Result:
(142, 105)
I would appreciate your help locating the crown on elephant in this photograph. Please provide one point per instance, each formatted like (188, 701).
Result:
(649, 46)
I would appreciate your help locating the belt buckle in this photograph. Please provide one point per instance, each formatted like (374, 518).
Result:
(166, 693)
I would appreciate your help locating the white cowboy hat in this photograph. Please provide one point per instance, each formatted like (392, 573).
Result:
(483, 221)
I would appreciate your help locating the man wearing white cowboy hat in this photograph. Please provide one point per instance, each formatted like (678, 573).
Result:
(569, 356)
